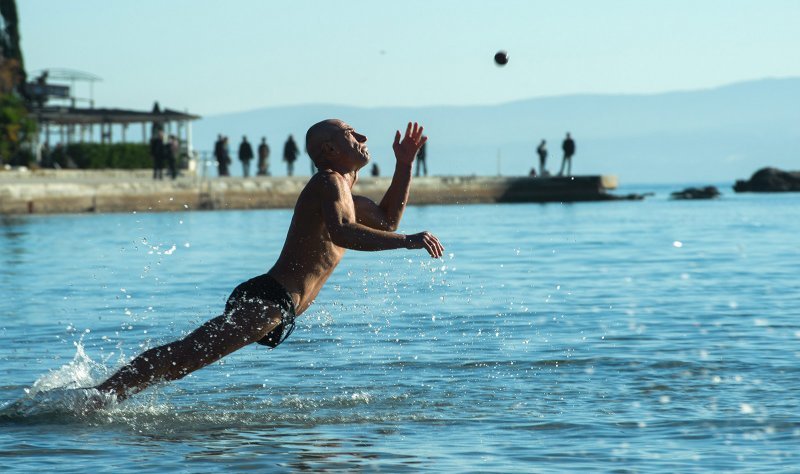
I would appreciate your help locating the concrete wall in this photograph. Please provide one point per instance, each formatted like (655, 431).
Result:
(74, 191)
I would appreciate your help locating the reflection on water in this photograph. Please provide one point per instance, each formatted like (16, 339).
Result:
(13, 238)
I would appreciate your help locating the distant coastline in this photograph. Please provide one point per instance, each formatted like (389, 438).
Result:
(695, 136)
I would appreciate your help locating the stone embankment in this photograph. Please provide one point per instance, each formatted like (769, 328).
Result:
(76, 191)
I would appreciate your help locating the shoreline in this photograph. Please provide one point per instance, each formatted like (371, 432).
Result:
(80, 191)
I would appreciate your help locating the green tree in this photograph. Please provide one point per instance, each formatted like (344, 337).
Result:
(12, 66)
(16, 126)
(16, 130)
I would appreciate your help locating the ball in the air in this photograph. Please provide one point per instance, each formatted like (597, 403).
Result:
(501, 58)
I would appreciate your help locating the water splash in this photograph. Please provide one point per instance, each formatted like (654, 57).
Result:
(81, 371)
(66, 390)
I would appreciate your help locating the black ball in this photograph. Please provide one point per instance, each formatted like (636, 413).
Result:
(501, 58)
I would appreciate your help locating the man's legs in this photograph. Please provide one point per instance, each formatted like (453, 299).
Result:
(563, 162)
(569, 166)
(205, 345)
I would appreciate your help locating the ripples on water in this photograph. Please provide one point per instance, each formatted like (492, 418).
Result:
(634, 336)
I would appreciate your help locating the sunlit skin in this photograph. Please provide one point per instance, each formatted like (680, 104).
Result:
(327, 219)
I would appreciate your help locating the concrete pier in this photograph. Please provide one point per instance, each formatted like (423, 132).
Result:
(76, 191)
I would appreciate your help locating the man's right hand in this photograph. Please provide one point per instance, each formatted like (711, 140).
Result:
(425, 240)
(405, 151)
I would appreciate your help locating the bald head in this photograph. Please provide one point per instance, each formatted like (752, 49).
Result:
(318, 135)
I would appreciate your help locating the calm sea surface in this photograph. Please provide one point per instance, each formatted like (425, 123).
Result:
(654, 336)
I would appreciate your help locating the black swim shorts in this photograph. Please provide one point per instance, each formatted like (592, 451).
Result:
(254, 295)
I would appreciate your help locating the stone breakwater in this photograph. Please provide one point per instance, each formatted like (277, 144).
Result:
(76, 191)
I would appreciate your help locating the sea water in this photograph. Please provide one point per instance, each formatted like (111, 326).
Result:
(649, 336)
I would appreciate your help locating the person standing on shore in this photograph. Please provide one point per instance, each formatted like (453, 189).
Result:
(327, 220)
(157, 152)
(221, 155)
(263, 158)
(421, 162)
(173, 151)
(568, 146)
(245, 155)
(290, 152)
(226, 155)
(542, 151)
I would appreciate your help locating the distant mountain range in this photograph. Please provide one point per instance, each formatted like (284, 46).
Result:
(704, 136)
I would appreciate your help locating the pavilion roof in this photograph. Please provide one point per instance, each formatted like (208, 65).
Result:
(87, 116)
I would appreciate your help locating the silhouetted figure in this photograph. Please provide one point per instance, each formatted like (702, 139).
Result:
(226, 152)
(172, 149)
(263, 158)
(542, 151)
(40, 94)
(421, 162)
(221, 154)
(245, 155)
(290, 152)
(46, 156)
(569, 149)
(158, 152)
(375, 171)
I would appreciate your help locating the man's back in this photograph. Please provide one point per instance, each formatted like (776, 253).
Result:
(568, 146)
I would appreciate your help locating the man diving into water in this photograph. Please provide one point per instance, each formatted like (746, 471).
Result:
(327, 219)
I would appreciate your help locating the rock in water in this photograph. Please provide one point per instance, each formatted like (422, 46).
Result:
(769, 180)
(708, 192)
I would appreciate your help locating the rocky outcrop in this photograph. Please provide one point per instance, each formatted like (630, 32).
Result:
(769, 180)
(708, 192)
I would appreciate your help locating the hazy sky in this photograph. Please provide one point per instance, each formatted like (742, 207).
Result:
(210, 56)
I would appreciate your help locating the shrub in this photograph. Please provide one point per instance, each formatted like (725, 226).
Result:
(100, 156)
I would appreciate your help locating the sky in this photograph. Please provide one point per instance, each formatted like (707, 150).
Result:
(211, 57)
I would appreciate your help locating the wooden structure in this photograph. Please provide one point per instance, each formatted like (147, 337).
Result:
(54, 107)
(73, 124)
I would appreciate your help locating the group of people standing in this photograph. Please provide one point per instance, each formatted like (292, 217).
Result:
(164, 152)
(223, 157)
(567, 146)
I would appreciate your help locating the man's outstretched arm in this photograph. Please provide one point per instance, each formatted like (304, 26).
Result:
(387, 214)
(340, 219)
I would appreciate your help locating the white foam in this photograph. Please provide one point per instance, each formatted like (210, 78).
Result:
(79, 401)
(81, 371)
(64, 390)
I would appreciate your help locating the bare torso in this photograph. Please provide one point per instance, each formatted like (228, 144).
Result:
(309, 256)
